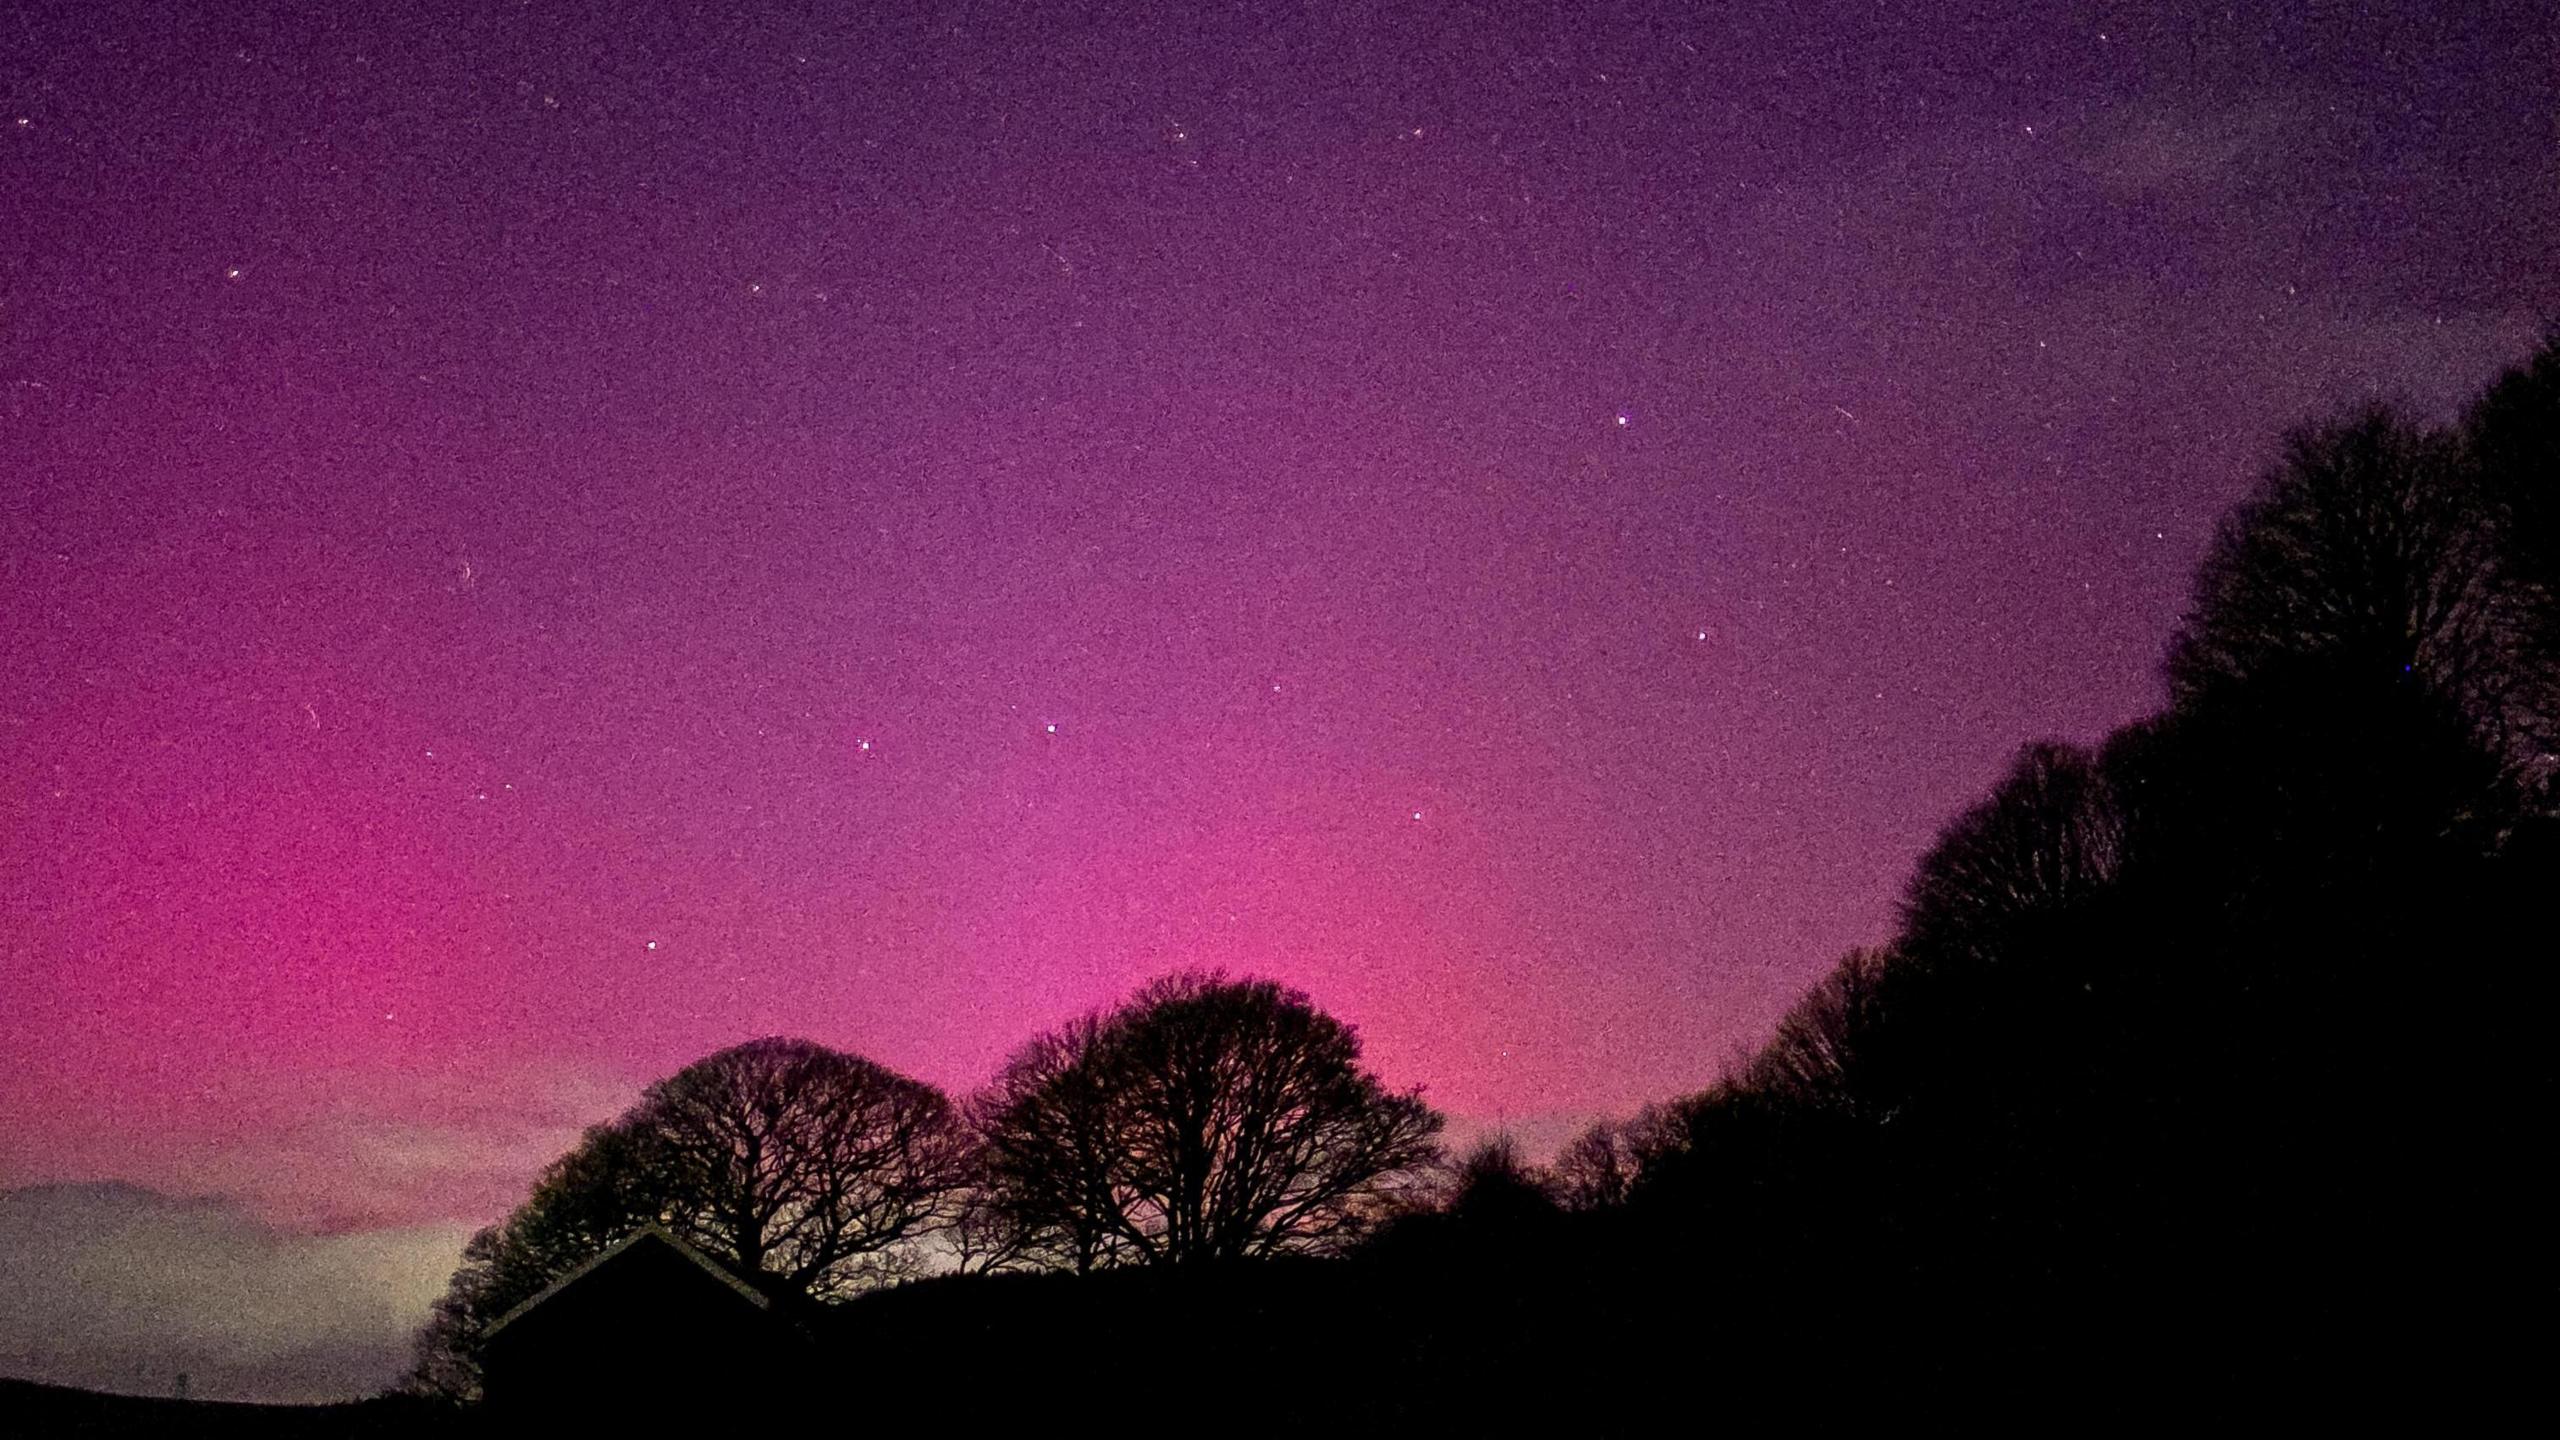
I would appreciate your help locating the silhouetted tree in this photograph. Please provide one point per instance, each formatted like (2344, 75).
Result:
(1595, 1170)
(1051, 1162)
(2046, 839)
(1246, 1123)
(1206, 1119)
(1495, 1186)
(803, 1163)
(2372, 555)
(2513, 433)
(802, 1167)
(2512, 436)
(1599, 1168)
(1816, 1057)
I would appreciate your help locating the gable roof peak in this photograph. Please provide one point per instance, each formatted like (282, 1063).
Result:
(651, 1231)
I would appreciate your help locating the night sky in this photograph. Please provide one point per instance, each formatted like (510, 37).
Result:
(538, 541)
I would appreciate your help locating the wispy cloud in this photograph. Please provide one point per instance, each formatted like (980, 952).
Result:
(2206, 148)
(345, 1151)
(414, 1150)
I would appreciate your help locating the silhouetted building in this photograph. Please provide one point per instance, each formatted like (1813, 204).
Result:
(651, 1328)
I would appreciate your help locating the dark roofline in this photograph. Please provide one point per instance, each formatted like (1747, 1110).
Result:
(722, 1272)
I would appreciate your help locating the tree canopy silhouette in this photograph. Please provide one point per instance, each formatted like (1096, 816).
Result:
(800, 1162)
(1206, 1119)
(2376, 554)
(2513, 433)
(1495, 1186)
(1598, 1168)
(1050, 1163)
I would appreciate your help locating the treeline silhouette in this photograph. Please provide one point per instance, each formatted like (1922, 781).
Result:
(2204, 1067)
(2207, 1060)
(1204, 1121)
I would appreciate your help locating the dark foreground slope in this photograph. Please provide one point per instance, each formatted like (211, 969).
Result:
(29, 1409)
(1561, 1324)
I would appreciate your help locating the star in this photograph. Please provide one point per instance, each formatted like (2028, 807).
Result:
(866, 744)
(652, 945)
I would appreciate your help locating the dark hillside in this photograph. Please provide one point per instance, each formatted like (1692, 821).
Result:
(29, 1409)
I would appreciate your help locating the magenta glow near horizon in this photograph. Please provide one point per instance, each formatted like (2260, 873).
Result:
(535, 546)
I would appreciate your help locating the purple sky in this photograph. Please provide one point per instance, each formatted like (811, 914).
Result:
(538, 540)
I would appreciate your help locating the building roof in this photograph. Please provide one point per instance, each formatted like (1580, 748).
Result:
(645, 1233)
